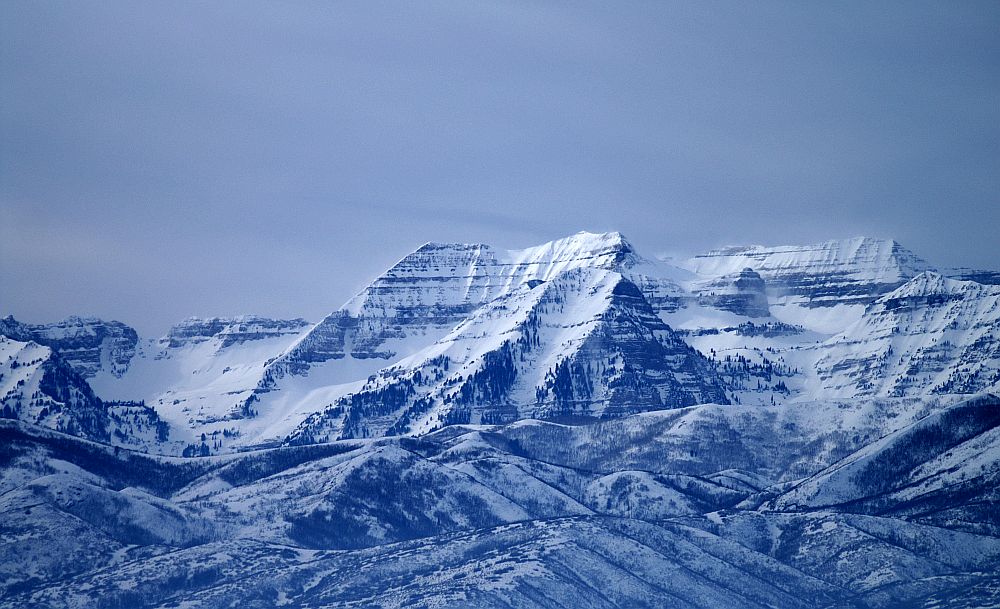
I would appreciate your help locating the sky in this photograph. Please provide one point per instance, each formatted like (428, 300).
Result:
(163, 160)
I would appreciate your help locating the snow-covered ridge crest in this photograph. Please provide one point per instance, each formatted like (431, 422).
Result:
(423, 296)
(598, 250)
(438, 285)
(823, 286)
(481, 273)
(884, 259)
(930, 283)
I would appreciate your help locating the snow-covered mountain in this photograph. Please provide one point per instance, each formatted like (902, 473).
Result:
(707, 506)
(409, 316)
(742, 293)
(584, 342)
(824, 274)
(843, 275)
(38, 386)
(941, 469)
(427, 293)
(581, 326)
(931, 335)
(571, 424)
(87, 344)
(198, 375)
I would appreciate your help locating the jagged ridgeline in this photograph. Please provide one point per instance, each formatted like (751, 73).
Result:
(577, 329)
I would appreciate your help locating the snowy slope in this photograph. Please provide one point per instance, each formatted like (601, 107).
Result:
(931, 335)
(942, 468)
(27, 395)
(200, 373)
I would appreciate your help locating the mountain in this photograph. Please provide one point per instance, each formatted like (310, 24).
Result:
(846, 274)
(941, 470)
(409, 315)
(38, 386)
(583, 326)
(198, 374)
(571, 424)
(932, 335)
(742, 293)
(824, 274)
(582, 343)
(224, 332)
(635, 511)
(428, 292)
(87, 344)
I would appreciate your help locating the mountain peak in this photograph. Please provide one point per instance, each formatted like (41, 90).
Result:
(596, 242)
(932, 283)
(851, 271)
(600, 250)
(931, 335)
(928, 282)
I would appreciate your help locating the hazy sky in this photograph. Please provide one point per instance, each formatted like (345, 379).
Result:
(170, 159)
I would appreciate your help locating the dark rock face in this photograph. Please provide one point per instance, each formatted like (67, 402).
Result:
(978, 275)
(650, 368)
(87, 344)
(743, 294)
(194, 330)
(62, 388)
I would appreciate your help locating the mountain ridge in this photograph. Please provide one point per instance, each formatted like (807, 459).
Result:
(247, 379)
(566, 425)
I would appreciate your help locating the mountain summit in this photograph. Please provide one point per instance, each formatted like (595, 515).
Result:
(580, 328)
(570, 424)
